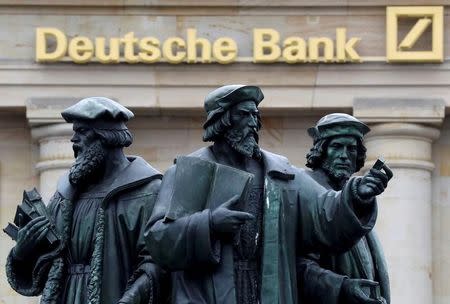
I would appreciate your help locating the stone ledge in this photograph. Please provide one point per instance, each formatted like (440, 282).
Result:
(408, 110)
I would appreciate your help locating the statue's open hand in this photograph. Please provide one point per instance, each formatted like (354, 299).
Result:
(225, 220)
(353, 292)
(374, 182)
(29, 237)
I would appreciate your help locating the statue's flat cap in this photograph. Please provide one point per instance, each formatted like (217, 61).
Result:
(338, 124)
(223, 98)
(97, 108)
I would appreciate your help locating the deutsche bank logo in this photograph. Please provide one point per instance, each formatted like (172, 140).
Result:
(425, 18)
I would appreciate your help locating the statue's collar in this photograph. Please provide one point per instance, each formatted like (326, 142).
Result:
(137, 172)
(277, 166)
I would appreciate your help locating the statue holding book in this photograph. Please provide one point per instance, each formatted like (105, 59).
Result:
(230, 218)
(87, 246)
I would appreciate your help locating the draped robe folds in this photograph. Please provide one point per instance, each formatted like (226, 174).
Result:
(119, 254)
(298, 214)
(321, 275)
(81, 247)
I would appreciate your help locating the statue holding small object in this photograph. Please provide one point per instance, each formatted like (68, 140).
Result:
(359, 275)
(98, 212)
(241, 246)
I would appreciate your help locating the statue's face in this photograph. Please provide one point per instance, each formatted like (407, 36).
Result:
(243, 134)
(83, 137)
(244, 116)
(340, 157)
(90, 156)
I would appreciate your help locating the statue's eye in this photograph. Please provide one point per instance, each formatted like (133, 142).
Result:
(82, 130)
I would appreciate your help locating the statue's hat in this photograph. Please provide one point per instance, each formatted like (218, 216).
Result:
(223, 98)
(338, 124)
(101, 112)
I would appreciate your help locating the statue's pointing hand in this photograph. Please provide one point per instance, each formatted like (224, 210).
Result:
(225, 220)
(29, 237)
(374, 182)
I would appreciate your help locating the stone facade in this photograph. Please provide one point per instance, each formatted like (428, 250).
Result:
(406, 106)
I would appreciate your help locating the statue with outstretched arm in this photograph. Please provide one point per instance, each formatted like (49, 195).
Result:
(244, 249)
(358, 275)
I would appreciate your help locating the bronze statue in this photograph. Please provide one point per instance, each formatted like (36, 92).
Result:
(243, 248)
(358, 275)
(99, 212)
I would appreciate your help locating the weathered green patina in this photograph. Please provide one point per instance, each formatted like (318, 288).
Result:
(287, 213)
(347, 277)
(99, 210)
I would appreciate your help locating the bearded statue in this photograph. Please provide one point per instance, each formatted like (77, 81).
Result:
(242, 249)
(99, 209)
(358, 275)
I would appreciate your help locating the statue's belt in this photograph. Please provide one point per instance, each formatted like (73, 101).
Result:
(74, 269)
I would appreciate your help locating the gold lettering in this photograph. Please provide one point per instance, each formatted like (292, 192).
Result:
(225, 50)
(42, 34)
(114, 50)
(150, 51)
(265, 45)
(171, 50)
(346, 49)
(192, 43)
(81, 49)
(294, 50)
(314, 45)
(129, 41)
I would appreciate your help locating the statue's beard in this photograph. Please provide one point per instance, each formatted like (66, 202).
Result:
(89, 165)
(246, 144)
(337, 177)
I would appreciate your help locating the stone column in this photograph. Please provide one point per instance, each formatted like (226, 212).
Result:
(55, 155)
(52, 134)
(402, 131)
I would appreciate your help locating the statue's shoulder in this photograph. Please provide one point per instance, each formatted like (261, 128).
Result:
(278, 166)
(146, 178)
(203, 153)
(273, 157)
(307, 183)
(150, 188)
(319, 177)
(303, 176)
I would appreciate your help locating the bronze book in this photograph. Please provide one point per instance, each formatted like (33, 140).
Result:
(201, 184)
(31, 207)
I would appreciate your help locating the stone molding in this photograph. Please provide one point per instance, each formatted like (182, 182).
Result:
(413, 110)
(408, 130)
(51, 130)
(47, 110)
(55, 149)
(404, 145)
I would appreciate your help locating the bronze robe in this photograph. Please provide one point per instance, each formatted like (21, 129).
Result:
(119, 256)
(298, 213)
(321, 275)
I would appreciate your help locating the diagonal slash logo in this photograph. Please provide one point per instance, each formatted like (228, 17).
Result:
(428, 16)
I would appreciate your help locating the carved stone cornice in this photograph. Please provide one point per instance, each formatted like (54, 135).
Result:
(403, 145)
